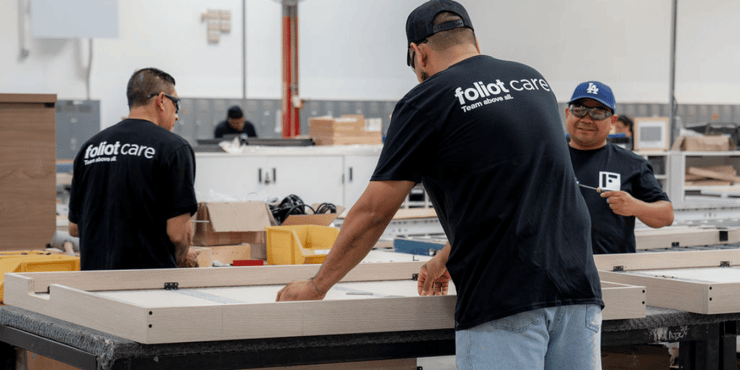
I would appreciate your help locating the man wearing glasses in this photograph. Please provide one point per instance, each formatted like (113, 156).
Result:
(133, 192)
(618, 185)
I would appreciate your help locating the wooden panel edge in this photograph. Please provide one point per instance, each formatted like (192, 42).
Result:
(666, 293)
(99, 313)
(624, 302)
(666, 260)
(216, 277)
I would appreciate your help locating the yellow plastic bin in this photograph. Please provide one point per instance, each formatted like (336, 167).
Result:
(34, 261)
(299, 244)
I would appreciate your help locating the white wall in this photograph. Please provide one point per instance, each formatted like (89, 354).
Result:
(354, 49)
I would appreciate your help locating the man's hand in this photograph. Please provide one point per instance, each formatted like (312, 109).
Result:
(190, 260)
(434, 279)
(655, 214)
(300, 290)
(621, 202)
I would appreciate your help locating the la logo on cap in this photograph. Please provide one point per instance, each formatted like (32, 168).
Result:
(592, 89)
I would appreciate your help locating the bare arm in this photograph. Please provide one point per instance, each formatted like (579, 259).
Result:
(180, 231)
(362, 228)
(655, 215)
(73, 229)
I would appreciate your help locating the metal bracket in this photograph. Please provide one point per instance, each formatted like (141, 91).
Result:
(171, 286)
(415, 277)
(724, 264)
(723, 236)
(618, 268)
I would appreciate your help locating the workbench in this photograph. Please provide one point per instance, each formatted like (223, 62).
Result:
(708, 342)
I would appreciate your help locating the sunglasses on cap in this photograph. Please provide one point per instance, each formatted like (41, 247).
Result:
(175, 100)
(597, 113)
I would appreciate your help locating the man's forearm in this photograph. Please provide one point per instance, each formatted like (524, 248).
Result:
(180, 232)
(657, 214)
(358, 236)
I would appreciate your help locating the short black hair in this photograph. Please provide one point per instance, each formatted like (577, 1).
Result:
(626, 120)
(445, 39)
(145, 82)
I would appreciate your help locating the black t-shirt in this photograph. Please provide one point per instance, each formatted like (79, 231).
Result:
(128, 180)
(223, 128)
(485, 138)
(614, 168)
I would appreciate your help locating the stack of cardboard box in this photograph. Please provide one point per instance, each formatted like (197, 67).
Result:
(229, 231)
(345, 130)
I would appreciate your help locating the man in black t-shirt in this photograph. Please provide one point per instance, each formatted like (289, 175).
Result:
(235, 123)
(133, 192)
(484, 137)
(617, 184)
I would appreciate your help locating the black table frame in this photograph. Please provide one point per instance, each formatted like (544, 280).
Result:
(704, 346)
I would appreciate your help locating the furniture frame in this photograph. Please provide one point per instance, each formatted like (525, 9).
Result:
(705, 282)
(85, 298)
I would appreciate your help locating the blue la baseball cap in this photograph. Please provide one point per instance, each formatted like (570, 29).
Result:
(595, 90)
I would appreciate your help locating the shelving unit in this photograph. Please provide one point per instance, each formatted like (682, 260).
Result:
(660, 162)
(680, 161)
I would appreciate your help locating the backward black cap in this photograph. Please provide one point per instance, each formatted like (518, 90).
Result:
(420, 23)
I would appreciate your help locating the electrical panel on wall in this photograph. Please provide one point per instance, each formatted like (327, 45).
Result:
(66, 19)
(77, 121)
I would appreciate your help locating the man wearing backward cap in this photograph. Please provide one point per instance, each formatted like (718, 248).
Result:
(484, 137)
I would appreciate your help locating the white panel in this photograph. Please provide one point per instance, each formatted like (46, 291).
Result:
(74, 18)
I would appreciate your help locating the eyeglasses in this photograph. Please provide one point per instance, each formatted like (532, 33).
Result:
(411, 55)
(597, 113)
(175, 100)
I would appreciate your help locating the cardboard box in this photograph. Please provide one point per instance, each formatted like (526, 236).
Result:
(241, 226)
(325, 126)
(703, 144)
(638, 357)
(346, 130)
(27, 360)
(232, 223)
(228, 253)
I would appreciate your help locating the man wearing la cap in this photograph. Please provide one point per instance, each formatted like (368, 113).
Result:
(484, 137)
(235, 123)
(628, 188)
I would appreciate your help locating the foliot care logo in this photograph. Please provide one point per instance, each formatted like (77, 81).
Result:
(481, 93)
(105, 152)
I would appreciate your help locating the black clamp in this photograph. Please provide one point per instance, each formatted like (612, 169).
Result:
(171, 286)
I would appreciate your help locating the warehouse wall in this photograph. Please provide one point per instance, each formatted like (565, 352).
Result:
(354, 49)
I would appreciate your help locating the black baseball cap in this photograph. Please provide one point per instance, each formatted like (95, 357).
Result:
(420, 23)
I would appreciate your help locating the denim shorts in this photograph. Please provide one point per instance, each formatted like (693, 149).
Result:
(561, 337)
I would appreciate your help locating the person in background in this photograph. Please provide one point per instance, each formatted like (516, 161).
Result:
(133, 194)
(618, 185)
(484, 137)
(235, 123)
(623, 125)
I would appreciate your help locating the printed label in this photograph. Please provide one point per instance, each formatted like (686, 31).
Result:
(105, 152)
(481, 93)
